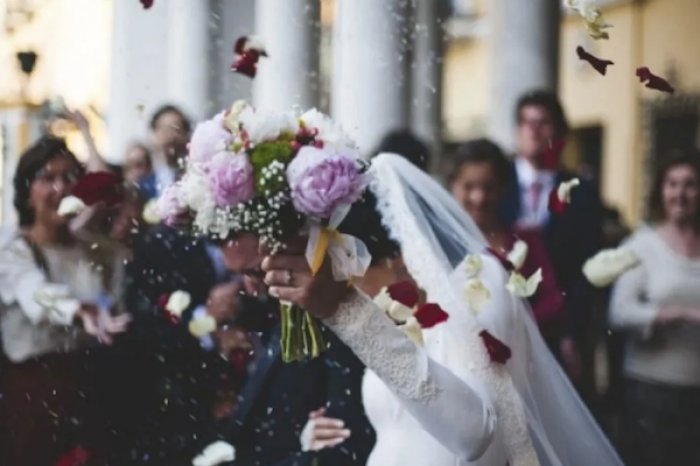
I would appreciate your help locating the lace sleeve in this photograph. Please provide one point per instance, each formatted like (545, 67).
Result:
(455, 410)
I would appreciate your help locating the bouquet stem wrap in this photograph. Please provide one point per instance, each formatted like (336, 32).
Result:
(301, 335)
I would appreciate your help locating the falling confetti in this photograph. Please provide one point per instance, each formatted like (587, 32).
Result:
(248, 51)
(601, 66)
(139, 110)
(592, 17)
(654, 82)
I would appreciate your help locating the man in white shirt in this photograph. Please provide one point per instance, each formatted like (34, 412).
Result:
(569, 238)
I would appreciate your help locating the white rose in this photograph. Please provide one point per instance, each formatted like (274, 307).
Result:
(476, 295)
(70, 205)
(473, 265)
(328, 131)
(216, 453)
(518, 254)
(150, 214)
(178, 302)
(413, 330)
(564, 190)
(524, 288)
(267, 126)
(201, 326)
(604, 268)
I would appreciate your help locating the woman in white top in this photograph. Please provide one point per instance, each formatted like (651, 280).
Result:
(658, 303)
(54, 300)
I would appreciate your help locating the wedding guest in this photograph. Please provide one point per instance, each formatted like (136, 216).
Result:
(55, 292)
(171, 132)
(569, 239)
(479, 177)
(658, 304)
(406, 144)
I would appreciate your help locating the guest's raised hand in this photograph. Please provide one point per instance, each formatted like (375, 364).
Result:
(322, 432)
(290, 279)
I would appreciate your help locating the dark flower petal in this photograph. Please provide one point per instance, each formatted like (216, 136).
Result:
(99, 187)
(601, 66)
(404, 292)
(556, 205)
(429, 315)
(147, 4)
(498, 351)
(652, 81)
(246, 62)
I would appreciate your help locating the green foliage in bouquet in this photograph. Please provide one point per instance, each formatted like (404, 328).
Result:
(269, 176)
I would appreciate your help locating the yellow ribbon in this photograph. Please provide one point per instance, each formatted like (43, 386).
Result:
(325, 236)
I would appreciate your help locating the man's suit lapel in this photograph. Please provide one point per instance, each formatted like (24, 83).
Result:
(257, 379)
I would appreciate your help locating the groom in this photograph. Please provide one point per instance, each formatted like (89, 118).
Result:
(275, 402)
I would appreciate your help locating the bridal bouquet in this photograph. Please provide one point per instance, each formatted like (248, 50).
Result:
(275, 175)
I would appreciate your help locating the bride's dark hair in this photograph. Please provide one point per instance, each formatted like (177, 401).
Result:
(365, 223)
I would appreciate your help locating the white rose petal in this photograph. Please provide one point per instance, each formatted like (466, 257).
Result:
(70, 205)
(178, 302)
(216, 453)
(307, 435)
(232, 120)
(150, 215)
(473, 265)
(524, 288)
(397, 311)
(476, 295)
(564, 190)
(413, 330)
(518, 254)
(202, 326)
(604, 268)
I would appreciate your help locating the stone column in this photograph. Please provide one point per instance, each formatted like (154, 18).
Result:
(371, 76)
(524, 42)
(289, 77)
(428, 53)
(189, 59)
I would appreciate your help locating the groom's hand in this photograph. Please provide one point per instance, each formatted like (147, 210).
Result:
(290, 279)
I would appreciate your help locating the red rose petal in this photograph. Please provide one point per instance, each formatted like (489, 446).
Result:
(556, 205)
(429, 315)
(601, 66)
(99, 187)
(498, 351)
(76, 457)
(147, 4)
(502, 258)
(552, 155)
(246, 62)
(652, 81)
(404, 292)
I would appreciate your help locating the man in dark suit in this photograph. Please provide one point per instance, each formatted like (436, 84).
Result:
(276, 401)
(570, 238)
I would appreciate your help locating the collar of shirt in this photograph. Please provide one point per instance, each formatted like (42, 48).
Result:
(528, 175)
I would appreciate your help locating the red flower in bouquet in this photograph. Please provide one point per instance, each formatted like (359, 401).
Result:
(601, 66)
(99, 187)
(404, 292)
(652, 81)
(498, 351)
(147, 4)
(248, 53)
(76, 457)
(429, 315)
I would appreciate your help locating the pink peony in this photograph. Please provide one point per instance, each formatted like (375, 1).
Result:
(231, 178)
(168, 207)
(321, 180)
(209, 138)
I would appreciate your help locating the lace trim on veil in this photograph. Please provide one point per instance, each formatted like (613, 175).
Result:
(431, 274)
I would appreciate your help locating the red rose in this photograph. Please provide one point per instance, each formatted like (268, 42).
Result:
(76, 457)
(556, 205)
(601, 66)
(147, 4)
(552, 154)
(429, 315)
(498, 351)
(654, 82)
(404, 292)
(502, 258)
(99, 187)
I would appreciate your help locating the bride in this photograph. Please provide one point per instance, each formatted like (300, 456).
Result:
(444, 403)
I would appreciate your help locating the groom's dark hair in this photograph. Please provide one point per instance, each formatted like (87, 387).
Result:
(365, 223)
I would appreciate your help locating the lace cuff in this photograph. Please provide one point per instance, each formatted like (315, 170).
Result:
(60, 308)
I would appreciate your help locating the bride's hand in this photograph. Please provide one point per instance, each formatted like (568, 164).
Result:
(322, 432)
(290, 279)
(101, 324)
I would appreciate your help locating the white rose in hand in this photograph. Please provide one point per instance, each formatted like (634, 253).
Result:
(216, 453)
(606, 266)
